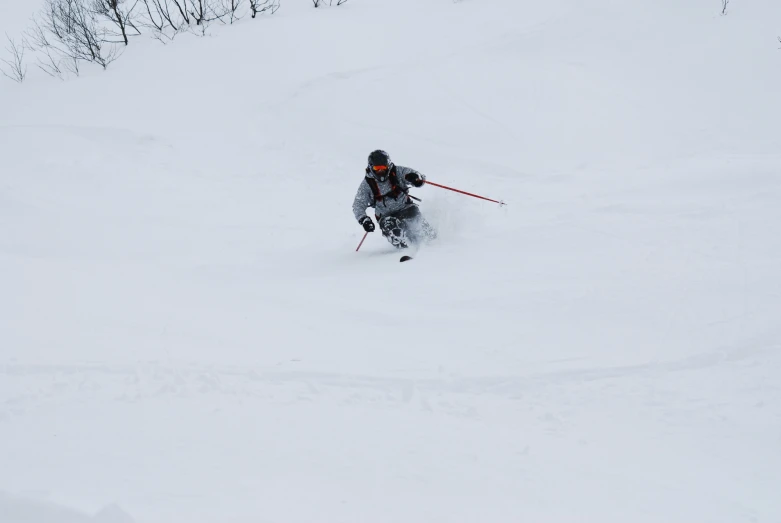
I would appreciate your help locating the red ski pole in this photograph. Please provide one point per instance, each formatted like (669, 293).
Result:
(464, 192)
(364, 237)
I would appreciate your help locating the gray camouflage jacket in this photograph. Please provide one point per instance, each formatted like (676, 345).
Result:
(365, 196)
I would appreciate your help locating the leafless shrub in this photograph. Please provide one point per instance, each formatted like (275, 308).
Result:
(199, 12)
(204, 12)
(724, 4)
(155, 17)
(232, 9)
(163, 14)
(67, 33)
(52, 61)
(16, 69)
(117, 12)
(181, 8)
(319, 3)
(164, 18)
(79, 35)
(262, 6)
(169, 17)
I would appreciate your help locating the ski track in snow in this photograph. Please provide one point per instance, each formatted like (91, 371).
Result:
(208, 378)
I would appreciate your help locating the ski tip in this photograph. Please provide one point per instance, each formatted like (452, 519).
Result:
(405, 258)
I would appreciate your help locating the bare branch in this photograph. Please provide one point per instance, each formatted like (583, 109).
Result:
(17, 70)
(67, 33)
(203, 12)
(724, 4)
(318, 3)
(72, 65)
(261, 6)
(113, 11)
(231, 8)
(40, 41)
(182, 7)
(70, 32)
(157, 24)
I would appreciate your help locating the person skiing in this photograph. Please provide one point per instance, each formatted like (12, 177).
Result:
(385, 187)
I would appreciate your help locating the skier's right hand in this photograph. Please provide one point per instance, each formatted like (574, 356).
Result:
(368, 224)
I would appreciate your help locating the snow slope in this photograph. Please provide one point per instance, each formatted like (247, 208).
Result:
(188, 335)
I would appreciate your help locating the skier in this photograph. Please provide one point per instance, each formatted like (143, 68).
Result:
(386, 188)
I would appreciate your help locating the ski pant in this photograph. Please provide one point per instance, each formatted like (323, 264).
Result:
(406, 227)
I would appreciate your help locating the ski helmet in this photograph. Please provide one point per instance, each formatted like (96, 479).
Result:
(380, 164)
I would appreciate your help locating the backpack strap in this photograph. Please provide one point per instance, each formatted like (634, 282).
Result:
(375, 189)
(396, 187)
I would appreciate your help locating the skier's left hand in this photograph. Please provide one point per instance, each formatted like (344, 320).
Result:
(415, 179)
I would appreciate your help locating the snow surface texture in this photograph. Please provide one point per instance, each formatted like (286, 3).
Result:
(187, 334)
